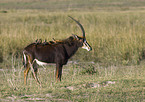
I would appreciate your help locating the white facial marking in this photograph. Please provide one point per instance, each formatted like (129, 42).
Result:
(86, 46)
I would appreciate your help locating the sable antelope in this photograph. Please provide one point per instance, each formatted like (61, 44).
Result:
(53, 53)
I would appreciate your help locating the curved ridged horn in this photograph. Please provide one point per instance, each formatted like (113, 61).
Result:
(83, 31)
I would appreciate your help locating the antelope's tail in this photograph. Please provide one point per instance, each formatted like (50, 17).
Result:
(24, 59)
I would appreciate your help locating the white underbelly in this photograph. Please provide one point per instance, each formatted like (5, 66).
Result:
(43, 63)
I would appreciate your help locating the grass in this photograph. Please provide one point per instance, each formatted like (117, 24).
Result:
(114, 29)
(75, 86)
(74, 5)
(116, 37)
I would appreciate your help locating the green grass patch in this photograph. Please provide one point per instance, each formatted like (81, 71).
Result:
(113, 84)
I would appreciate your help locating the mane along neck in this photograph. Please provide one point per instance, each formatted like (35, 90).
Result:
(66, 41)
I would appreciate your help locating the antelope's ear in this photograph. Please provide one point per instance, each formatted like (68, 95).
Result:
(76, 36)
(81, 40)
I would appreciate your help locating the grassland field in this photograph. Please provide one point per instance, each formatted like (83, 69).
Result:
(112, 72)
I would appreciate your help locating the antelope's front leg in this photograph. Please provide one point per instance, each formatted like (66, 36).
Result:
(58, 72)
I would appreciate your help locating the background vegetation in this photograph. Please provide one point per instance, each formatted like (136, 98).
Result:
(114, 29)
(116, 35)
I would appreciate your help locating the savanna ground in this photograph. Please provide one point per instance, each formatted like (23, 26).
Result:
(112, 71)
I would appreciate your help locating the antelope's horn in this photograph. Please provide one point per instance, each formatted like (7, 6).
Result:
(83, 31)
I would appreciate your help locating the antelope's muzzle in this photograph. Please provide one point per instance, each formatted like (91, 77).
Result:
(86, 46)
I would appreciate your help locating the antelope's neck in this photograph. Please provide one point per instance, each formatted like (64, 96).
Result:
(71, 50)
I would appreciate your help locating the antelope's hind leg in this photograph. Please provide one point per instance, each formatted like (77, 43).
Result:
(26, 71)
(30, 64)
(34, 73)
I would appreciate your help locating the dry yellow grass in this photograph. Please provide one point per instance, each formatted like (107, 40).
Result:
(116, 37)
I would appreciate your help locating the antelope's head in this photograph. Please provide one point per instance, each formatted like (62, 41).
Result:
(82, 40)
